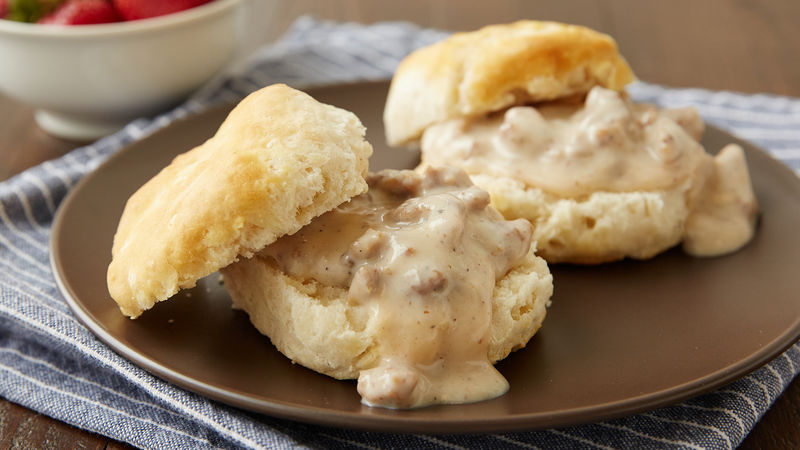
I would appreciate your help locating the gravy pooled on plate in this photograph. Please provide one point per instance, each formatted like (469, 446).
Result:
(423, 253)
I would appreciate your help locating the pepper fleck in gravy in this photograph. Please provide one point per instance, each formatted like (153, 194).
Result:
(424, 253)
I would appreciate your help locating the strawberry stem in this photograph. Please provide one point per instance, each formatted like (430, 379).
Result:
(30, 10)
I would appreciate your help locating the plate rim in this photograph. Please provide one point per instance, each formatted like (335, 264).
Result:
(397, 422)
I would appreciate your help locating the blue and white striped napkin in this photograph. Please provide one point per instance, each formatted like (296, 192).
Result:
(51, 363)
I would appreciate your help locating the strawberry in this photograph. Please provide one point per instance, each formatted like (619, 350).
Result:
(82, 12)
(144, 9)
(3, 8)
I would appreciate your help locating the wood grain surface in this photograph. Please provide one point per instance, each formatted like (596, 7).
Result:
(738, 45)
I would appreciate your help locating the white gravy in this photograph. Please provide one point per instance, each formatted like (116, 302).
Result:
(723, 216)
(423, 252)
(573, 148)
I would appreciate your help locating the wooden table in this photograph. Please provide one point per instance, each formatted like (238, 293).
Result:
(745, 46)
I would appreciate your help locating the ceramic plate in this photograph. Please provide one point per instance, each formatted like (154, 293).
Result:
(620, 338)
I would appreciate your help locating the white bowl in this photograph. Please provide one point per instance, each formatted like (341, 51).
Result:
(88, 81)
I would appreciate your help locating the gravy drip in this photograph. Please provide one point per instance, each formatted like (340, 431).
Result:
(723, 217)
(422, 253)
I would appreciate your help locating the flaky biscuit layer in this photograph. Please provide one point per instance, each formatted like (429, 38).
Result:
(280, 159)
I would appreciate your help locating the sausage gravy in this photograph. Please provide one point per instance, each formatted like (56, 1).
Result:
(423, 252)
(572, 148)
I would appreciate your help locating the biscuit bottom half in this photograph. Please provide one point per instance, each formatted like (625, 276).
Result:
(415, 288)
(317, 326)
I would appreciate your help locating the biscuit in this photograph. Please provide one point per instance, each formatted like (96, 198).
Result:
(278, 160)
(609, 226)
(603, 227)
(470, 74)
(318, 327)
(416, 287)
(536, 114)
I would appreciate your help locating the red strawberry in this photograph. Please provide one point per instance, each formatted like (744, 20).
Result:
(3, 8)
(82, 12)
(143, 9)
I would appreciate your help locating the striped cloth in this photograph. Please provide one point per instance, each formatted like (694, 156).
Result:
(50, 363)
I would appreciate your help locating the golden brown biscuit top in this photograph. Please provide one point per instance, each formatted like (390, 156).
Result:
(279, 159)
(495, 67)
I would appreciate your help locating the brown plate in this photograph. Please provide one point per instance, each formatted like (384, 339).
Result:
(619, 339)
